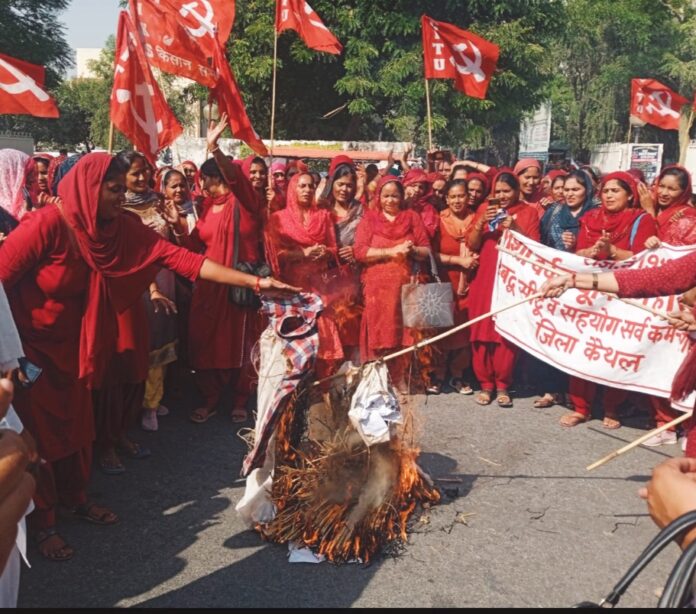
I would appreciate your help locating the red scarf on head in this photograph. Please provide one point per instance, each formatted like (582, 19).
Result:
(417, 175)
(313, 231)
(555, 174)
(120, 255)
(381, 226)
(617, 224)
(485, 182)
(684, 199)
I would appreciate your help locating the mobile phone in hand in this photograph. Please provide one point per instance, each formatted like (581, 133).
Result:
(30, 372)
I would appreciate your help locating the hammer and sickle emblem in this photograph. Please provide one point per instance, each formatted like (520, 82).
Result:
(23, 83)
(470, 67)
(661, 103)
(206, 21)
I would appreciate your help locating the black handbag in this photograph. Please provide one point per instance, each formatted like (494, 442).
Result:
(245, 297)
(677, 592)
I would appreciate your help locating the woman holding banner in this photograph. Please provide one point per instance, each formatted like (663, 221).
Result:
(493, 356)
(616, 230)
(676, 225)
(673, 277)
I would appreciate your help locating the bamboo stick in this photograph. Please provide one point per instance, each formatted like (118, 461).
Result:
(273, 99)
(557, 270)
(640, 440)
(447, 333)
(111, 137)
(430, 115)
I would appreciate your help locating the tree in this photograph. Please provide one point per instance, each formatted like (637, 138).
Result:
(379, 78)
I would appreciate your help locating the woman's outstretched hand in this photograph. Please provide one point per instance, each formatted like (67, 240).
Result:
(215, 130)
(553, 288)
(277, 289)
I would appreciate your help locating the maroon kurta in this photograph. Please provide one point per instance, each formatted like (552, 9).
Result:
(46, 282)
(382, 324)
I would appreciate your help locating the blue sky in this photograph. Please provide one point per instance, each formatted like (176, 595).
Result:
(88, 23)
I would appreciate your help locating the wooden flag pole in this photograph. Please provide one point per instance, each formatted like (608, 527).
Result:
(111, 137)
(430, 118)
(273, 99)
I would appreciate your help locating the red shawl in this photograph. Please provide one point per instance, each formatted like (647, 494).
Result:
(485, 182)
(119, 253)
(674, 232)
(313, 231)
(401, 225)
(423, 206)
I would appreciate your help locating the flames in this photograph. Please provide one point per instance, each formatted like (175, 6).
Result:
(348, 502)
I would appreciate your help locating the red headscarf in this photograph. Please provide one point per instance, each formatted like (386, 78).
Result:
(685, 196)
(615, 223)
(485, 182)
(555, 174)
(337, 161)
(525, 163)
(313, 232)
(119, 253)
(381, 226)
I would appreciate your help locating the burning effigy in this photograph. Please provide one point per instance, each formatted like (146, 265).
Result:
(331, 469)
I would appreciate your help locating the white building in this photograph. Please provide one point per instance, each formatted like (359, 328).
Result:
(83, 57)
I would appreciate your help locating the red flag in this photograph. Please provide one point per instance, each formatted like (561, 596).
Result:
(230, 101)
(452, 53)
(656, 104)
(169, 42)
(299, 16)
(22, 89)
(138, 107)
(203, 17)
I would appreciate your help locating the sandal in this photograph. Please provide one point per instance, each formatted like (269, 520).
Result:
(62, 553)
(201, 415)
(91, 512)
(111, 464)
(503, 399)
(239, 415)
(134, 450)
(548, 400)
(460, 386)
(573, 419)
(611, 423)
(484, 397)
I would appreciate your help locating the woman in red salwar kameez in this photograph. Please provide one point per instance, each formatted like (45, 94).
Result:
(302, 245)
(68, 272)
(493, 356)
(676, 225)
(388, 239)
(457, 265)
(616, 230)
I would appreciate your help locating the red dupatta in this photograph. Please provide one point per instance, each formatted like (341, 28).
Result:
(119, 253)
(682, 203)
(381, 226)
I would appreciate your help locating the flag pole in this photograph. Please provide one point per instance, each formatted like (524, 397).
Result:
(430, 118)
(273, 98)
(111, 137)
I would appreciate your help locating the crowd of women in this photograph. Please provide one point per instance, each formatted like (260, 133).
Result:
(122, 278)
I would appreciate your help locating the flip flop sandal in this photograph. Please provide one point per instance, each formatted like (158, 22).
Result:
(613, 423)
(504, 400)
(42, 536)
(543, 403)
(484, 398)
(84, 512)
(576, 418)
(198, 417)
(137, 451)
(111, 469)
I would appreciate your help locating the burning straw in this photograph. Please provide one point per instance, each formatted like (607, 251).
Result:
(337, 496)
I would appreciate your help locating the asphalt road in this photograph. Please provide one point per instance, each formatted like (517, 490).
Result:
(522, 523)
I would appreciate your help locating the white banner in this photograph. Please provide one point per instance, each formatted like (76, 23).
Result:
(584, 332)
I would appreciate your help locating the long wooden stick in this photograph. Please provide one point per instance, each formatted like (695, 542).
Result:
(441, 336)
(273, 98)
(640, 440)
(556, 270)
(430, 115)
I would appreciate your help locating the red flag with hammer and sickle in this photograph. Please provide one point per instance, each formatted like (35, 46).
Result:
(22, 89)
(452, 53)
(299, 16)
(138, 107)
(656, 104)
(180, 36)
